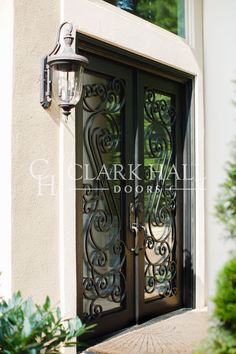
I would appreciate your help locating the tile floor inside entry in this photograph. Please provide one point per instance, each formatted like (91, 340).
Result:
(178, 333)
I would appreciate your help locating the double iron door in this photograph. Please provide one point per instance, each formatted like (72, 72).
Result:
(129, 196)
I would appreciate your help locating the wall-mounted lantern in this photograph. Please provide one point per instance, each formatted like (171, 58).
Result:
(62, 74)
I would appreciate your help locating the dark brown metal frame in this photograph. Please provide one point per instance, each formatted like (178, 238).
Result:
(126, 313)
(148, 309)
(97, 51)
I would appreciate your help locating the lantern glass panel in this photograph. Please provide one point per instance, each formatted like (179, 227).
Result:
(67, 83)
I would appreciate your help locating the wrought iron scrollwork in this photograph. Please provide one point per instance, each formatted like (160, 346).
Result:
(104, 251)
(160, 203)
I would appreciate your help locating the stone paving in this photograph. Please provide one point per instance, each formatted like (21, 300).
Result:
(177, 334)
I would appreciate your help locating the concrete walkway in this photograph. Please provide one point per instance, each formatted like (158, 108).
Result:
(170, 335)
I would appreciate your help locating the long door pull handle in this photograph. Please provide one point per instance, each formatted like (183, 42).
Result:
(136, 228)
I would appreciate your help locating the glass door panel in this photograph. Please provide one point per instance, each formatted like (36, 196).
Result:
(160, 150)
(159, 194)
(104, 249)
(105, 268)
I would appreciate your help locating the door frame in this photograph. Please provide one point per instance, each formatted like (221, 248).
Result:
(85, 45)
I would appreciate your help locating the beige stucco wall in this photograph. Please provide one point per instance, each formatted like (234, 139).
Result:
(43, 244)
(35, 135)
(6, 64)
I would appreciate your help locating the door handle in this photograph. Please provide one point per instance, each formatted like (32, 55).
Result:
(135, 227)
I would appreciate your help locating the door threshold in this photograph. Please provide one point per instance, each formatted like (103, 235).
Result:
(130, 329)
(188, 327)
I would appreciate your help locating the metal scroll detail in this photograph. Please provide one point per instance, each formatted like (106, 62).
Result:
(104, 250)
(160, 196)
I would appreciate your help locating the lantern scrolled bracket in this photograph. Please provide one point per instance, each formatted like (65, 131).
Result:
(45, 84)
(62, 74)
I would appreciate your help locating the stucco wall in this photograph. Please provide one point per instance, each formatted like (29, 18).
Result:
(6, 64)
(220, 118)
(35, 219)
(35, 135)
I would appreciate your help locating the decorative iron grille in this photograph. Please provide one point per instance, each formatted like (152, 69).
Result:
(104, 280)
(160, 200)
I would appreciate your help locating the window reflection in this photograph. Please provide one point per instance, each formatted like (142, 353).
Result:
(168, 14)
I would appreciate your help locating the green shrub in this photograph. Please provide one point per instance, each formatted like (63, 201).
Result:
(225, 298)
(27, 328)
(219, 341)
(226, 201)
(222, 333)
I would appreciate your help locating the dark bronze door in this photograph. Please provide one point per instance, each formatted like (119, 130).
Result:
(105, 264)
(159, 208)
(129, 196)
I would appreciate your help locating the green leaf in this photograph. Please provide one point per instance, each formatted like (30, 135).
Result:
(58, 312)
(47, 304)
(26, 328)
(29, 328)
